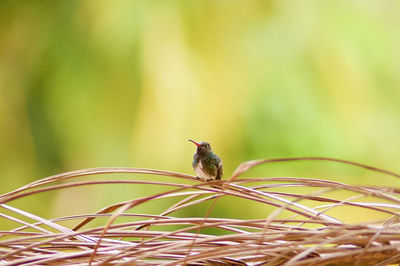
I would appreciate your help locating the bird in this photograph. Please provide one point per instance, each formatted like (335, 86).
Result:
(206, 164)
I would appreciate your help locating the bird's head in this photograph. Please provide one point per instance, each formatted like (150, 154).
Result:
(202, 146)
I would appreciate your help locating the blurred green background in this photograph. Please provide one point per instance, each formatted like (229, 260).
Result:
(125, 83)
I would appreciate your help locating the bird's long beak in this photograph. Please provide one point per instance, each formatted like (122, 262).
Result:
(197, 144)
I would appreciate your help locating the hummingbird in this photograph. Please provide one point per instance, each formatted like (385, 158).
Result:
(206, 164)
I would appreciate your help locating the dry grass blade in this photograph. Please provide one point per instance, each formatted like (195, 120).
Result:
(302, 226)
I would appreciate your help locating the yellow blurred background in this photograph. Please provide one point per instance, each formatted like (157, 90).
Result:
(126, 83)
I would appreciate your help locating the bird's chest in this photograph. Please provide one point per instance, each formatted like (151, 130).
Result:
(204, 171)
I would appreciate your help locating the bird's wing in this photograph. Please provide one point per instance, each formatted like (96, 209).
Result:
(219, 171)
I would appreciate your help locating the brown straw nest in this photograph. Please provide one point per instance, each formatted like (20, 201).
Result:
(300, 229)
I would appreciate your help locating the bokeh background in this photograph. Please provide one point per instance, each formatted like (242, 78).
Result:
(125, 83)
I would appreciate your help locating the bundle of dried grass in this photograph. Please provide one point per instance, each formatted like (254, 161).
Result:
(308, 233)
